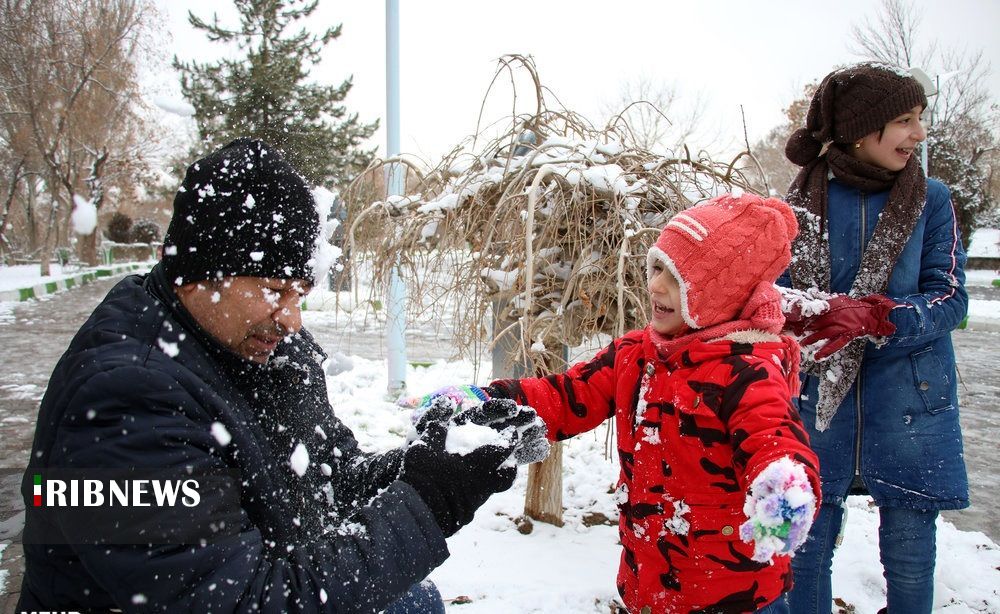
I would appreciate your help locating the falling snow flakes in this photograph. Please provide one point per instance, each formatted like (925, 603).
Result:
(256, 256)
(208, 190)
(299, 459)
(220, 433)
(249, 202)
(169, 348)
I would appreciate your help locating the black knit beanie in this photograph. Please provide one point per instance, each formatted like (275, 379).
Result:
(851, 103)
(241, 211)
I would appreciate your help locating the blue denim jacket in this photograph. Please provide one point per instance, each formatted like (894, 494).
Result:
(898, 427)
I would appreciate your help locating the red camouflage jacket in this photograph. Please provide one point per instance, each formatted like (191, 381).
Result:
(693, 431)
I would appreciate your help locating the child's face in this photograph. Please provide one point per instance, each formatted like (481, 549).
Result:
(665, 298)
(896, 144)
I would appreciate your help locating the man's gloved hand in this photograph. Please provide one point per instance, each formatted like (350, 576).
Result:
(454, 485)
(518, 422)
(847, 319)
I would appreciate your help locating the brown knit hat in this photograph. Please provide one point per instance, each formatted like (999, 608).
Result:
(851, 103)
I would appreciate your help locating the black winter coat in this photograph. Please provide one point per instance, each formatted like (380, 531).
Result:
(355, 540)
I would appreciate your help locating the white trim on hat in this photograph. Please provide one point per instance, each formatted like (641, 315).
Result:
(655, 254)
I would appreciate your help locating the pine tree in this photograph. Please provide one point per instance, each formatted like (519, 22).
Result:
(265, 94)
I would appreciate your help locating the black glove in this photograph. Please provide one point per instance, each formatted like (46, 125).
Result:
(494, 392)
(454, 486)
(526, 430)
(440, 412)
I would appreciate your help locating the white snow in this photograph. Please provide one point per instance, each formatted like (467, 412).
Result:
(572, 569)
(84, 217)
(256, 256)
(466, 438)
(299, 459)
(169, 348)
(325, 254)
(985, 243)
(221, 434)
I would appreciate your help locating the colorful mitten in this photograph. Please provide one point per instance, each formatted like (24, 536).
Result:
(779, 508)
(463, 396)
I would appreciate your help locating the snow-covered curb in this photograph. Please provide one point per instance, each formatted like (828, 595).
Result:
(69, 282)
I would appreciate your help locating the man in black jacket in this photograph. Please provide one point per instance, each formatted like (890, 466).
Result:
(202, 364)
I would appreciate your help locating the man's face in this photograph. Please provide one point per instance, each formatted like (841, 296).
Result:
(248, 315)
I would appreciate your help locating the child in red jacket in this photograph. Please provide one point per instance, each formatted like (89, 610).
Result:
(718, 484)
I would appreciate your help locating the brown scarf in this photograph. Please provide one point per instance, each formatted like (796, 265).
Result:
(810, 266)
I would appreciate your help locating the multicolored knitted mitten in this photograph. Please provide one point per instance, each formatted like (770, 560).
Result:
(463, 396)
(779, 508)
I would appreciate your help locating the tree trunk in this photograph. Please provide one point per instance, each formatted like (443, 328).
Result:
(543, 501)
(86, 246)
(51, 231)
(29, 215)
(88, 243)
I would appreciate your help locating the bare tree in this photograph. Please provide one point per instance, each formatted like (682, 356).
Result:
(892, 37)
(67, 77)
(658, 117)
(770, 150)
(964, 139)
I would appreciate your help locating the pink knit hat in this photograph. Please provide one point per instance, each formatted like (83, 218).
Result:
(720, 251)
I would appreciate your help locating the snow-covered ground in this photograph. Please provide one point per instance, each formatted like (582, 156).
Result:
(26, 275)
(985, 243)
(572, 569)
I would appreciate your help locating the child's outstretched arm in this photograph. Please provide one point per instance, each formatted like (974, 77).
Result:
(572, 402)
(778, 470)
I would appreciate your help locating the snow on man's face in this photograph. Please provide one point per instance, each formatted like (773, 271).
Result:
(665, 300)
(248, 315)
(895, 145)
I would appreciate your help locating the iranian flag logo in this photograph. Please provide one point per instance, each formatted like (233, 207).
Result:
(38, 490)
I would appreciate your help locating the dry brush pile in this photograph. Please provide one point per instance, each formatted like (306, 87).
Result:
(544, 228)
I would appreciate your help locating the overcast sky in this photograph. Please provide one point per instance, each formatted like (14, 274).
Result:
(755, 53)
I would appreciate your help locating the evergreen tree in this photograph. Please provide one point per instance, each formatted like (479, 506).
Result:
(265, 94)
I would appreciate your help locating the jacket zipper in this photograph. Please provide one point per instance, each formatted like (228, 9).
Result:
(858, 381)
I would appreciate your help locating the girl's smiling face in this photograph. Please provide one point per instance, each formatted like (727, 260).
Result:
(665, 299)
(895, 145)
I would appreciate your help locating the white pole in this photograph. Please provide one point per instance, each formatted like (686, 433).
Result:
(396, 303)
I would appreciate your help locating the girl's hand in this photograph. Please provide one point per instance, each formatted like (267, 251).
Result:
(847, 319)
